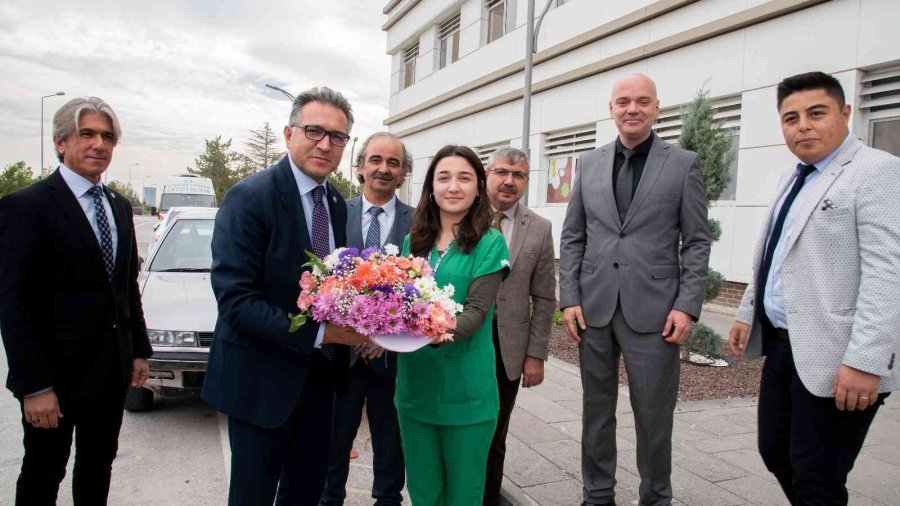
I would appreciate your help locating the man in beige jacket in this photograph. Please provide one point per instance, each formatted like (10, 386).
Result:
(525, 302)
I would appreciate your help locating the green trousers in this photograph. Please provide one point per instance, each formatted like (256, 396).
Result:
(445, 464)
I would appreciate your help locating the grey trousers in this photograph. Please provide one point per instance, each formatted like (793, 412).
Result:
(653, 374)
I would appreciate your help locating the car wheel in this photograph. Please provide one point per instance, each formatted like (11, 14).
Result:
(138, 399)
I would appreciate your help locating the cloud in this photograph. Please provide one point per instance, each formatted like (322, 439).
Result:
(178, 73)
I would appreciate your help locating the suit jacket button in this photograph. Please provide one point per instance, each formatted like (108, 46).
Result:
(616, 265)
(621, 235)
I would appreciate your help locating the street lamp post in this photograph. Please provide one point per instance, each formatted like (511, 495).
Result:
(352, 149)
(57, 94)
(530, 49)
(129, 175)
(276, 88)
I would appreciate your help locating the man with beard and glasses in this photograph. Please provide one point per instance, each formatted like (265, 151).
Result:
(525, 302)
(374, 219)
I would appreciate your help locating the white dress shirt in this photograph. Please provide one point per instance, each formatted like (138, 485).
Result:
(305, 185)
(385, 219)
(774, 297)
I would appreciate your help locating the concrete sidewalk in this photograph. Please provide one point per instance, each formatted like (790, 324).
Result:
(715, 460)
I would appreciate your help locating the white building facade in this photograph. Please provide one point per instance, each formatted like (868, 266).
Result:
(458, 78)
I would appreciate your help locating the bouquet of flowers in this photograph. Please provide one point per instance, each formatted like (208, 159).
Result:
(377, 294)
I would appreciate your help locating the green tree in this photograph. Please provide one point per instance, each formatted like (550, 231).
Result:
(702, 133)
(15, 176)
(343, 184)
(127, 191)
(260, 151)
(219, 164)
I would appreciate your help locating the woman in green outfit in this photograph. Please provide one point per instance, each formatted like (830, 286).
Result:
(446, 395)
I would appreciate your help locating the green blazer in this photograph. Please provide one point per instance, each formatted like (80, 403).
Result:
(455, 384)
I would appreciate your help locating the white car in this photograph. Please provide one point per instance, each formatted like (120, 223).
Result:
(164, 221)
(179, 308)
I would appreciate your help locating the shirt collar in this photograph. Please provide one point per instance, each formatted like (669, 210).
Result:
(510, 213)
(388, 208)
(305, 183)
(642, 148)
(76, 182)
(823, 163)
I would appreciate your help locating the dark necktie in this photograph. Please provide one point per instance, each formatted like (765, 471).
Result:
(775, 236)
(625, 185)
(320, 243)
(105, 233)
(373, 237)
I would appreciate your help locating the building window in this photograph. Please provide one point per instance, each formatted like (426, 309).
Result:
(728, 112)
(562, 149)
(880, 105)
(496, 19)
(484, 152)
(448, 37)
(410, 55)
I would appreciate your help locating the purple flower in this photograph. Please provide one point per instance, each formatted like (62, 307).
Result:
(410, 293)
(366, 253)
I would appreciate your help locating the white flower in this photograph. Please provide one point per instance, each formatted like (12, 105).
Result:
(332, 260)
(449, 290)
(317, 271)
(391, 249)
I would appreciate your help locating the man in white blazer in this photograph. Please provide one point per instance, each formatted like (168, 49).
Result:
(823, 304)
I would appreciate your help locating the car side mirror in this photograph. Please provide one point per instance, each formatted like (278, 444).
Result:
(154, 211)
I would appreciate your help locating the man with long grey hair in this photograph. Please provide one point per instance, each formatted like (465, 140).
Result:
(277, 387)
(70, 310)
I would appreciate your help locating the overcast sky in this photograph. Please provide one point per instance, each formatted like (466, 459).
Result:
(180, 72)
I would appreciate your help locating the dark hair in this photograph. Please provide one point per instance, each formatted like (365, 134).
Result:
(427, 218)
(325, 95)
(811, 81)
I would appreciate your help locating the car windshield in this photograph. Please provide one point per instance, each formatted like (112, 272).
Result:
(170, 200)
(185, 248)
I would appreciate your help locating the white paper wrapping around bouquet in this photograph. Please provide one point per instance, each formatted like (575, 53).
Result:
(402, 343)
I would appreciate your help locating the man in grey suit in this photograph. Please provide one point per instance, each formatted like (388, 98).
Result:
(822, 305)
(374, 219)
(520, 335)
(633, 256)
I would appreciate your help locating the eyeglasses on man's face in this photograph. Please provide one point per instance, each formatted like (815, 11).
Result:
(317, 133)
(518, 175)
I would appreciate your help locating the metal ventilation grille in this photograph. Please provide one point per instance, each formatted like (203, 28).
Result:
(484, 152)
(881, 90)
(570, 142)
(727, 110)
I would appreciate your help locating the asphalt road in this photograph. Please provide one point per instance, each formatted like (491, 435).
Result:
(171, 455)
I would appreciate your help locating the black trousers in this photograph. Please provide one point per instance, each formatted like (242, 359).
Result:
(292, 458)
(805, 441)
(95, 421)
(509, 389)
(376, 392)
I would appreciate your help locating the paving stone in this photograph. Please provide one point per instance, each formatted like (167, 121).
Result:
(748, 459)
(574, 405)
(756, 490)
(875, 479)
(887, 453)
(705, 465)
(684, 431)
(528, 428)
(560, 493)
(715, 444)
(689, 488)
(718, 425)
(545, 409)
(564, 454)
(556, 391)
(526, 467)
(571, 429)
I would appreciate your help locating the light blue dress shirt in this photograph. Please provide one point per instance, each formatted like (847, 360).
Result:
(80, 187)
(385, 219)
(774, 296)
(305, 185)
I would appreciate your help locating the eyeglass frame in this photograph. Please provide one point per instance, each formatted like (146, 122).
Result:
(503, 173)
(332, 135)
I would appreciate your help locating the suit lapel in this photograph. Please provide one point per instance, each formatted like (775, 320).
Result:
(814, 193)
(338, 216)
(656, 158)
(71, 209)
(290, 200)
(607, 193)
(354, 222)
(401, 224)
(119, 217)
(520, 230)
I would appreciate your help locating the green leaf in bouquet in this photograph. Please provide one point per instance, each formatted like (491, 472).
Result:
(297, 321)
(315, 261)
